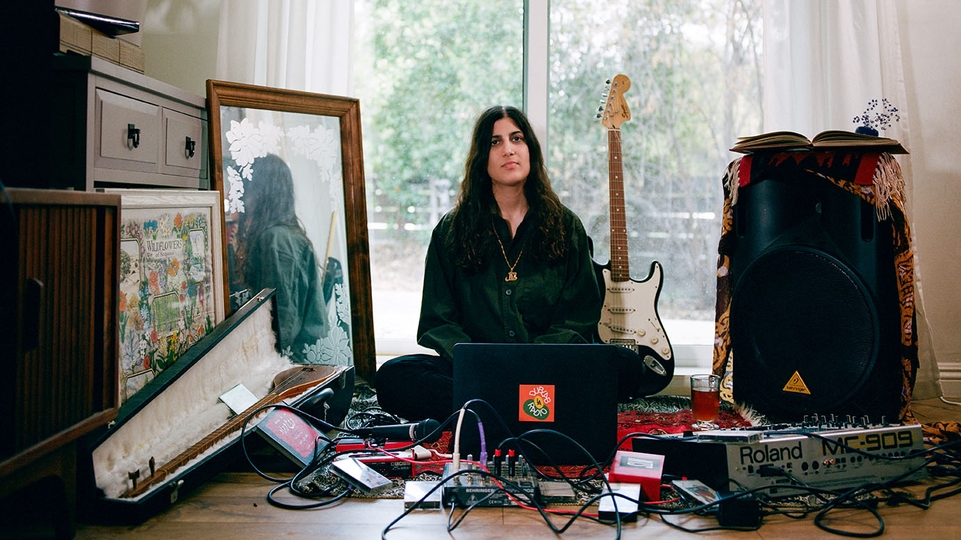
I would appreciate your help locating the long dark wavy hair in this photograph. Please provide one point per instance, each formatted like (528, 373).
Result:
(268, 201)
(472, 239)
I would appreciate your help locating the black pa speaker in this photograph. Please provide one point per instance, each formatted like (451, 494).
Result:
(815, 315)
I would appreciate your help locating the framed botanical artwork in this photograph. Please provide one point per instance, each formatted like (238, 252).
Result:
(171, 278)
(290, 170)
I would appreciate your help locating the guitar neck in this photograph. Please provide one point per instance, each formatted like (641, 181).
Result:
(620, 262)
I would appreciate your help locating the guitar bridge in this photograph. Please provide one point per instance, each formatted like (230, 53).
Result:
(626, 343)
(649, 360)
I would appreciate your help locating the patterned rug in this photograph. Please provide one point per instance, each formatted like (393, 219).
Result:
(661, 415)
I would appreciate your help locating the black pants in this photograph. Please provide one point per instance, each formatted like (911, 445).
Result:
(420, 386)
(416, 386)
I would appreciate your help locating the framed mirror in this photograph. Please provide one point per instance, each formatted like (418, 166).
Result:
(258, 133)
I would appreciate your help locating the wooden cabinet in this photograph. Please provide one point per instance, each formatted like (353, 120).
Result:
(58, 356)
(113, 127)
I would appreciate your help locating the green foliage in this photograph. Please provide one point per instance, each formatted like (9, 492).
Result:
(426, 69)
(687, 60)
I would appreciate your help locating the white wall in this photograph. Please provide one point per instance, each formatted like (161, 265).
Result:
(179, 39)
(180, 46)
(930, 39)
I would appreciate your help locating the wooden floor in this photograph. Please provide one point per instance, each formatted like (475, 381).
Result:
(233, 506)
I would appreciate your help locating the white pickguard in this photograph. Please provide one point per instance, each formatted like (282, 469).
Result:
(629, 316)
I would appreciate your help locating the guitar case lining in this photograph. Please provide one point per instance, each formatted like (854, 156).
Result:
(181, 407)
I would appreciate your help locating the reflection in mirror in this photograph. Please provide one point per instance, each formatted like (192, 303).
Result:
(291, 217)
(269, 247)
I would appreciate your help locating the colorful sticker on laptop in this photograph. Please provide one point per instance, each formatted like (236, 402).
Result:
(536, 403)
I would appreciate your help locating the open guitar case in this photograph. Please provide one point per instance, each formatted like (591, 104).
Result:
(181, 407)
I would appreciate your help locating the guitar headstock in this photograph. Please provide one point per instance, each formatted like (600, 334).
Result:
(615, 112)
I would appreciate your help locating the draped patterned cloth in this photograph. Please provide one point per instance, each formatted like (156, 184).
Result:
(875, 178)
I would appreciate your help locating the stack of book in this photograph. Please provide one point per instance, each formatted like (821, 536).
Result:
(78, 36)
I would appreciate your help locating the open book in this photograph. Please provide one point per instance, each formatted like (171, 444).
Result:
(826, 140)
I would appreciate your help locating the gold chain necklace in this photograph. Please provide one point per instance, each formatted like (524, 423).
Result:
(511, 274)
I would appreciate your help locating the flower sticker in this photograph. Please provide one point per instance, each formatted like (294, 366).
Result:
(536, 403)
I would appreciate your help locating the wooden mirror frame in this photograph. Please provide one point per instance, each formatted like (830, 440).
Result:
(347, 111)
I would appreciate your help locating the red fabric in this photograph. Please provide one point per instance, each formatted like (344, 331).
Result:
(667, 423)
(863, 177)
(744, 171)
(865, 174)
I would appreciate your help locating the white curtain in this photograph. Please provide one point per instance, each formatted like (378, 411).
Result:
(293, 44)
(824, 60)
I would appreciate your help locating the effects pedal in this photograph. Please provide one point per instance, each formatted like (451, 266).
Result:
(621, 501)
(421, 495)
(639, 468)
(360, 476)
(695, 491)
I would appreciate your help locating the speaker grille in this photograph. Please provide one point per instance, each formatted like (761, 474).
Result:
(805, 333)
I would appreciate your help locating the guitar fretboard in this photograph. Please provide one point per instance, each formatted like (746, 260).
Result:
(620, 263)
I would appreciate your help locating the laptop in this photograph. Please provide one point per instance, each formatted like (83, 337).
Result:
(569, 388)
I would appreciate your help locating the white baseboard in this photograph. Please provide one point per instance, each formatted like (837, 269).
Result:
(950, 379)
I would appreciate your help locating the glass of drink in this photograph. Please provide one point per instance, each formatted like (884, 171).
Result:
(705, 400)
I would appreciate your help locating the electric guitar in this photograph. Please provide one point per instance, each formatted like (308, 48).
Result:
(629, 314)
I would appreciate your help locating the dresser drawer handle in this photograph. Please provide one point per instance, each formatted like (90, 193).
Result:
(190, 147)
(133, 136)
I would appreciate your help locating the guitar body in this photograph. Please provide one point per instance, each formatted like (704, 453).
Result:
(629, 318)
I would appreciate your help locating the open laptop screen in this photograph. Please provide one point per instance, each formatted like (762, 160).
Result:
(568, 388)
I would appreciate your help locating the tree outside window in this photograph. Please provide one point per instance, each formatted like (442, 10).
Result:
(424, 70)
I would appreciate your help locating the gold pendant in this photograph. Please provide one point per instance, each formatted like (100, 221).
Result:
(511, 276)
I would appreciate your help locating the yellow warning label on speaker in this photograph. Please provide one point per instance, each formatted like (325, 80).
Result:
(796, 385)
